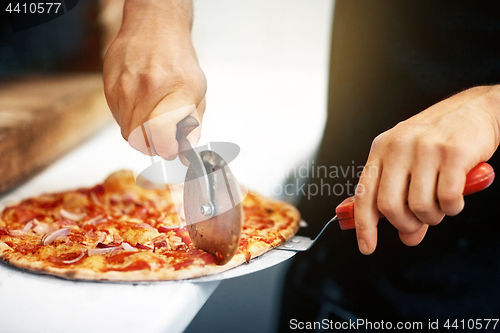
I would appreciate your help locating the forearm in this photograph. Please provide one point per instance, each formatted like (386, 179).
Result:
(172, 18)
(151, 69)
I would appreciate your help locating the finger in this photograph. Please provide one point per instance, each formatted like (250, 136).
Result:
(422, 197)
(164, 128)
(365, 206)
(451, 183)
(140, 139)
(392, 198)
(124, 109)
(414, 238)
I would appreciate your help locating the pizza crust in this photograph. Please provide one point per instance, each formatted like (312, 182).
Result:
(268, 223)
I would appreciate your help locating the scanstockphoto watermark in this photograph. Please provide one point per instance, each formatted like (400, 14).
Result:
(327, 324)
(333, 180)
(310, 190)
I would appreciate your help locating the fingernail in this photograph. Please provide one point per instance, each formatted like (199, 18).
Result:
(363, 247)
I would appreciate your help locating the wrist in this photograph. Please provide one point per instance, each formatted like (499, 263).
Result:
(172, 18)
(492, 106)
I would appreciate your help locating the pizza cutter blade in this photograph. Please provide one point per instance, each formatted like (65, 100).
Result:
(212, 199)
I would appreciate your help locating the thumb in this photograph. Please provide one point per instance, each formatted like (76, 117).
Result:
(158, 134)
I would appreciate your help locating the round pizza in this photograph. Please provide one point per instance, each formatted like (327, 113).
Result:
(117, 231)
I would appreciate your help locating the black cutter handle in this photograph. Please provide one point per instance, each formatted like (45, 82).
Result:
(184, 127)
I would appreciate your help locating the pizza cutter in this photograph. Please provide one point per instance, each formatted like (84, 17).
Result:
(479, 178)
(212, 200)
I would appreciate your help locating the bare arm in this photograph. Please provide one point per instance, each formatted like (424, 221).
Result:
(151, 69)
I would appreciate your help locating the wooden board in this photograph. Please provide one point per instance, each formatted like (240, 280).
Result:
(41, 118)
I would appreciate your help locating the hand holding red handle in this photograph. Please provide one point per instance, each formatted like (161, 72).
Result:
(479, 178)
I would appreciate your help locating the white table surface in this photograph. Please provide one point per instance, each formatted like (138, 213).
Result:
(39, 303)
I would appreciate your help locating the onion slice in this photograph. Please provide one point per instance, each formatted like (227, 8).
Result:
(147, 226)
(93, 252)
(52, 236)
(95, 199)
(69, 262)
(30, 225)
(128, 247)
(72, 216)
(96, 220)
(166, 229)
(27, 227)
(142, 247)
(101, 238)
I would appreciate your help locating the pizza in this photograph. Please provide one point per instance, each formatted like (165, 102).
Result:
(117, 231)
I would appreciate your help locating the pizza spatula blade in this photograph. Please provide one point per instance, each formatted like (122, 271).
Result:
(212, 200)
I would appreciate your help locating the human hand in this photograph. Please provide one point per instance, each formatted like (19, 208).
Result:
(415, 173)
(151, 74)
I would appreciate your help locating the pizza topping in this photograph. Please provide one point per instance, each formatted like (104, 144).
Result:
(64, 222)
(26, 228)
(16, 232)
(135, 266)
(167, 229)
(72, 216)
(96, 220)
(138, 235)
(140, 213)
(132, 197)
(25, 248)
(74, 200)
(104, 246)
(29, 225)
(258, 223)
(147, 226)
(42, 228)
(117, 239)
(24, 215)
(52, 236)
(93, 252)
(74, 261)
(128, 247)
(118, 258)
(174, 241)
(102, 237)
(142, 247)
(95, 199)
(4, 231)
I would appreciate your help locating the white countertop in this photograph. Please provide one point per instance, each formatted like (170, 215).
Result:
(38, 303)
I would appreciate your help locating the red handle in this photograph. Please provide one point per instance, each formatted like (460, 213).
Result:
(479, 178)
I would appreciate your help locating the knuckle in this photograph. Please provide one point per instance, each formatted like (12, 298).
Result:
(425, 146)
(386, 206)
(419, 206)
(150, 80)
(378, 141)
(448, 197)
(450, 202)
(452, 150)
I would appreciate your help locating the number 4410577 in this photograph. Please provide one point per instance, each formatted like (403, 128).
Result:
(471, 324)
(34, 8)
